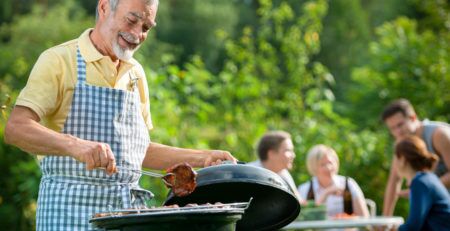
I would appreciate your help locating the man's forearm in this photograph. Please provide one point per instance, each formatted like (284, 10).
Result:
(32, 137)
(389, 201)
(161, 156)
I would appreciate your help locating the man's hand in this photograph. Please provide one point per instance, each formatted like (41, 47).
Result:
(95, 155)
(216, 157)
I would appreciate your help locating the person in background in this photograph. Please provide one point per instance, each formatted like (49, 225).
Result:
(86, 109)
(429, 204)
(276, 153)
(338, 193)
(401, 120)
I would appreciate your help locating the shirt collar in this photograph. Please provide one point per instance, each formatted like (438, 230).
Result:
(87, 49)
(91, 54)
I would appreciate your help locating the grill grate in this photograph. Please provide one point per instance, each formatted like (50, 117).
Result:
(238, 207)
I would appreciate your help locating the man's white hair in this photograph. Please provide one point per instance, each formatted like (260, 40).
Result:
(113, 5)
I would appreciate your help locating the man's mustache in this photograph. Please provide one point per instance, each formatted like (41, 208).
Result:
(130, 38)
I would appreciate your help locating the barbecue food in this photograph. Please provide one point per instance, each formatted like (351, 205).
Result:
(108, 214)
(165, 208)
(182, 180)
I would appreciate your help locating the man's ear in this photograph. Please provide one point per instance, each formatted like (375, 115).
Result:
(271, 153)
(103, 8)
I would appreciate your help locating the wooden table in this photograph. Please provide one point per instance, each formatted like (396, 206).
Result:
(366, 223)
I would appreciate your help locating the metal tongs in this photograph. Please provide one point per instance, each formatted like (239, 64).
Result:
(166, 177)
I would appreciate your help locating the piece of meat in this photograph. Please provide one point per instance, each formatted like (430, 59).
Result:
(183, 179)
(109, 214)
(191, 205)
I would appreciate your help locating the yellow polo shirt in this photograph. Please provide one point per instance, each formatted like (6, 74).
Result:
(50, 87)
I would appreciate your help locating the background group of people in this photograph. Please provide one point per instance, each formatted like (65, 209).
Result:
(421, 156)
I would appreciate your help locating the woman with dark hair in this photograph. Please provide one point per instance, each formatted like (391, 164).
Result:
(429, 199)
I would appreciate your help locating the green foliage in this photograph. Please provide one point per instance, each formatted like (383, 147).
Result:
(404, 63)
(191, 26)
(19, 183)
(345, 39)
(29, 35)
(24, 40)
(433, 14)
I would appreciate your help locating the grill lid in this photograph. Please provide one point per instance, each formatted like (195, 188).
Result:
(274, 205)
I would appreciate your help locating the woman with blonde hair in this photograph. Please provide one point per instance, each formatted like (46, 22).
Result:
(429, 200)
(329, 188)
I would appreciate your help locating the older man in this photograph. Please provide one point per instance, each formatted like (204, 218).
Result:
(85, 108)
(401, 120)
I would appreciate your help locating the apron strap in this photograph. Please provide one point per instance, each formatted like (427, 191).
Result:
(81, 68)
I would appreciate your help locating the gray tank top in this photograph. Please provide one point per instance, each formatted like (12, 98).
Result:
(429, 127)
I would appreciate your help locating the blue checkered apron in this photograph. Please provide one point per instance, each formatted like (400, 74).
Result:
(69, 194)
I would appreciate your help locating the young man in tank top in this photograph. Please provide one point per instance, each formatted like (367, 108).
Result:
(402, 120)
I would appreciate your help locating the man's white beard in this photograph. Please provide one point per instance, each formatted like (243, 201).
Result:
(123, 53)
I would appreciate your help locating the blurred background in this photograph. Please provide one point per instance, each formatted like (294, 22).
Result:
(223, 72)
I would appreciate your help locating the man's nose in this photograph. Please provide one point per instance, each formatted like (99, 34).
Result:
(398, 132)
(138, 33)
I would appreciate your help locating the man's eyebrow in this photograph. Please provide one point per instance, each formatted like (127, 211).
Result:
(137, 15)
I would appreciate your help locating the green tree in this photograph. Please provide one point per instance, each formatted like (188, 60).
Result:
(404, 63)
(23, 40)
(191, 27)
(345, 39)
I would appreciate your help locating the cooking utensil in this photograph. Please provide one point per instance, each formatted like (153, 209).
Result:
(165, 178)
(274, 204)
(205, 207)
(222, 217)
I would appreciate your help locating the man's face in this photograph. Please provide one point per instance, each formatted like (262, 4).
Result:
(400, 125)
(285, 154)
(126, 28)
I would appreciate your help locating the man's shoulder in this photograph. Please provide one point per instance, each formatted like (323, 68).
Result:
(435, 124)
(63, 50)
(441, 133)
(286, 174)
